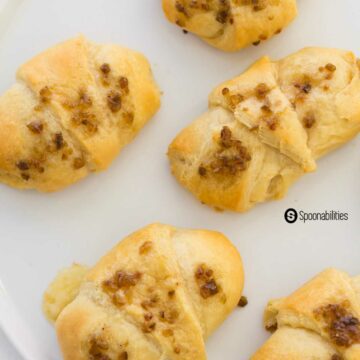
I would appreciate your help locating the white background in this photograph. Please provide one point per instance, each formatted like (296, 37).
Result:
(39, 234)
(7, 351)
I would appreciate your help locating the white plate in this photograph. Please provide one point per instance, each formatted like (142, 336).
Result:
(40, 234)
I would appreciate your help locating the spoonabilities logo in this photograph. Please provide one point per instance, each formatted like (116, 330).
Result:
(291, 216)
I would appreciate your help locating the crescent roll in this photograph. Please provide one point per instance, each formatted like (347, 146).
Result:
(320, 321)
(71, 111)
(230, 25)
(267, 127)
(157, 295)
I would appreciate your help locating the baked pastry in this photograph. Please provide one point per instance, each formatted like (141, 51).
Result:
(266, 128)
(231, 24)
(157, 295)
(319, 321)
(71, 111)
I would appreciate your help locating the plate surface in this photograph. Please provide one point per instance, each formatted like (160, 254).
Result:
(39, 234)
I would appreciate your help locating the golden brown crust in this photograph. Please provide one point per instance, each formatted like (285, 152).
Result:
(320, 321)
(160, 292)
(266, 128)
(230, 25)
(73, 108)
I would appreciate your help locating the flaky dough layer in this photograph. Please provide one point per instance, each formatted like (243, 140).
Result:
(267, 127)
(157, 295)
(230, 25)
(71, 111)
(319, 321)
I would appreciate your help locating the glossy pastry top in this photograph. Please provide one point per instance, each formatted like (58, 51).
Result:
(266, 128)
(71, 111)
(319, 321)
(158, 294)
(231, 24)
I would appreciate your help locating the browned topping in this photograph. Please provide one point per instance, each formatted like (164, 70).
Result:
(98, 348)
(223, 12)
(202, 171)
(256, 43)
(171, 293)
(145, 248)
(25, 176)
(128, 117)
(222, 16)
(236, 99)
(177, 350)
(81, 115)
(119, 298)
(124, 356)
(45, 94)
(36, 164)
(179, 23)
(272, 122)
(146, 304)
(148, 316)
(305, 88)
(231, 157)
(79, 163)
(261, 91)
(35, 127)
(119, 285)
(85, 99)
(124, 83)
(257, 5)
(23, 165)
(221, 9)
(114, 101)
(209, 289)
(58, 140)
(162, 315)
(169, 316)
(167, 332)
(105, 69)
(226, 137)
(87, 120)
(149, 327)
(180, 8)
(342, 326)
(271, 328)
(336, 357)
(225, 91)
(330, 67)
(309, 120)
(266, 109)
(278, 31)
(263, 37)
(206, 282)
(127, 279)
(243, 301)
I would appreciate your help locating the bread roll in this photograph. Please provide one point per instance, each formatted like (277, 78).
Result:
(71, 111)
(267, 127)
(230, 25)
(319, 321)
(157, 295)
